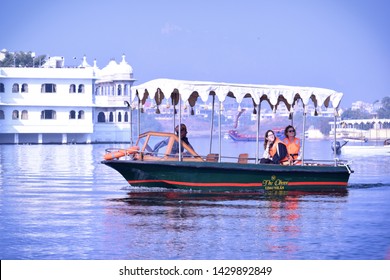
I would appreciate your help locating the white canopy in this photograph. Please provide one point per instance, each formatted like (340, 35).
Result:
(159, 89)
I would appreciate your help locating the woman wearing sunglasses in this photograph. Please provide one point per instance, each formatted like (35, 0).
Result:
(274, 150)
(293, 145)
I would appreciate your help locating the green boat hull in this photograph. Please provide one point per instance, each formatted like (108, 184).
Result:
(210, 176)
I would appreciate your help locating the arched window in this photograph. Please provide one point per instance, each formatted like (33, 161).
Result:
(15, 115)
(101, 117)
(72, 115)
(81, 115)
(111, 118)
(2, 115)
(81, 89)
(2, 89)
(72, 88)
(48, 115)
(15, 87)
(24, 115)
(25, 88)
(119, 90)
(126, 117)
(119, 117)
(48, 88)
(126, 89)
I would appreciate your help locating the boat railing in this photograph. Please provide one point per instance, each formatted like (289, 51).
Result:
(117, 153)
(243, 158)
(334, 162)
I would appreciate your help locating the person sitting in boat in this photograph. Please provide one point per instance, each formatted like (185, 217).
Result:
(175, 147)
(275, 151)
(293, 145)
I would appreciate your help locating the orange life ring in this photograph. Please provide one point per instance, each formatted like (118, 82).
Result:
(121, 153)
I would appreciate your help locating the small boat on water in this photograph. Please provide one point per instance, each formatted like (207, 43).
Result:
(356, 139)
(234, 135)
(144, 165)
(366, 150)
(362, 149)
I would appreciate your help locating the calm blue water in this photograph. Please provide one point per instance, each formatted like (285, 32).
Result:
(59, 202)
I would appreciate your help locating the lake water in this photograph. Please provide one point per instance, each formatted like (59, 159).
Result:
(59, 202)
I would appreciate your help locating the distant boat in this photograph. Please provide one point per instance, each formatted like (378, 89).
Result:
(356, 139)
(362, 150)
(233, 133)
(252, 137)
(313, 133)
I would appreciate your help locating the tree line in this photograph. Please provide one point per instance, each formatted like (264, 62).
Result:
(382, 113)
(22, 59)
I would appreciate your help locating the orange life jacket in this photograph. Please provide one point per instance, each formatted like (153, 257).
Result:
(293, 147)
(273, 150)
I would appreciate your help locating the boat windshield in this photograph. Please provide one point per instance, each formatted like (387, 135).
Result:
(159, 145)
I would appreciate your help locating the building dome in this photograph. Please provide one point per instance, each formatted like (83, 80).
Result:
(108, 72)
(114, 71)
(125, 71)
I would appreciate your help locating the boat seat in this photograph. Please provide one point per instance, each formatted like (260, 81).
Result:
(212, 157)
(243, 158)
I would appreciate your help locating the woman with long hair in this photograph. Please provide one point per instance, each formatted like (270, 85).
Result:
(274, 150)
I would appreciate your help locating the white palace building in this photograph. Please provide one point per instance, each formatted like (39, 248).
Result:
(58, 104)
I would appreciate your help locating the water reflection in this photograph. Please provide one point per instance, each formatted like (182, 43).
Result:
(207, 225)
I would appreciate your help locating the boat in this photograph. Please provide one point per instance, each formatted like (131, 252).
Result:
(314, 133)
(142, 166)
(356, 139)
(362, 149)
(234, 135)
(366, 150)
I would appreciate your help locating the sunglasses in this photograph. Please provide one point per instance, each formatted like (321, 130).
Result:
(291, 131)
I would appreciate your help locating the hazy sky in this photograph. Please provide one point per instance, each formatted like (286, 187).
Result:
(338, 44)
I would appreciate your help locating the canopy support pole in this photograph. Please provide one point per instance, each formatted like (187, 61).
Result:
(220, 130)
(212, 124)
(258, 132)
(303, 140)
(128, 105)
(174, 115)
(292, 119)
(179, 130)
(131, 125)
(139, 117)
(334, 137)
